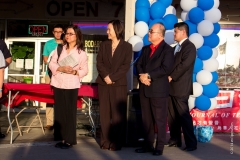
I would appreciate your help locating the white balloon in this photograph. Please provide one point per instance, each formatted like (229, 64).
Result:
(205, 27)
(153, 1)
(191, 102)
(213, 15)
(215, 53)
(169, 37)
(184, 15)
(170, 10)
(204, 77)
(137, 43)
(216, 3)
(197, 89)
(211, 64)
(187, 5)
(141, 28)
(196, 39)
(213, 103)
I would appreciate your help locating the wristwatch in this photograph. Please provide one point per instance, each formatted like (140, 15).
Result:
(148, 75)
(75, 72)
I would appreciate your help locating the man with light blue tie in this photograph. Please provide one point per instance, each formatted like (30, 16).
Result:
(181, 86)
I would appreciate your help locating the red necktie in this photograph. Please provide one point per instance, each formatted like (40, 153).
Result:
(153, 50)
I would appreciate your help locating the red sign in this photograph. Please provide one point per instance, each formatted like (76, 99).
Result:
(38, 30)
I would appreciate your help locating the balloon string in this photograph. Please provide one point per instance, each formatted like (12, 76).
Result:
(134, 61)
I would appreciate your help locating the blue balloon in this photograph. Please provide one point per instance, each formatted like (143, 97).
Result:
(196, 15)
(211, 90)
(142, 3)
(194, 77)
(166, 3)
(170, 20)
(205, 4)
(142, 14)
(204, 52)
(198, 65)
(211, 40)
(137, 54)
(202, 103)
(217, 28)
(192, 27)
(152, 22)
(215, 76)
(157, 10)
(145, 40)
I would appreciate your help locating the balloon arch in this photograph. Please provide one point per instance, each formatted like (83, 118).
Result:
(202, 17)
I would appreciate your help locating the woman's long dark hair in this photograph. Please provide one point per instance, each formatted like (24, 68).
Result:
(79, 38)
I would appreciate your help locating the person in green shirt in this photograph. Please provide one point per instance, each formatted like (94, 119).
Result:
(47, 50)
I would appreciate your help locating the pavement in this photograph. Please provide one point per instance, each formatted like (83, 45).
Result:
(37, 146)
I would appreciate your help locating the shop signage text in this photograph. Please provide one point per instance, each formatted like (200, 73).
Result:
(38, 30)
(75, 8)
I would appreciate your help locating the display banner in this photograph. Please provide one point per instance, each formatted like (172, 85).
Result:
(222, 120)
(225, 117)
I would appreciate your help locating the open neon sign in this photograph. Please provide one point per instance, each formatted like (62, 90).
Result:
(38, 30)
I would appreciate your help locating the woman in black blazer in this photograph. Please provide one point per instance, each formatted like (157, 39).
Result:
(113, 62)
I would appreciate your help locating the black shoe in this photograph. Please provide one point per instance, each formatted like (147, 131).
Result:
(59, 145)
(157, 152)
(144, 150)
(188, 149)
(66, 146)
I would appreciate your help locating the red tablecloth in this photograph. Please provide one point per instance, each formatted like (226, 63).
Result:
(41, 92)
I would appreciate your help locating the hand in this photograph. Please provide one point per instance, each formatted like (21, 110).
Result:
(66, 69)
(108, 80)
(0, 94)
(169, 78)
(147, 82)
(144, 79)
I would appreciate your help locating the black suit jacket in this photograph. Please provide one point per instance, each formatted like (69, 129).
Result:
(115, 66)
(159, 67)
(181, 84)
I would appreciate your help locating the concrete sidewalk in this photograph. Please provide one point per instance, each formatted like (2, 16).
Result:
(36, 146)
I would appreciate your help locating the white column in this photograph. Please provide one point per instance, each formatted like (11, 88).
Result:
(129, 31)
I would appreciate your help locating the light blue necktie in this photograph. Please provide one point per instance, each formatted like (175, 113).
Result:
(177, 48)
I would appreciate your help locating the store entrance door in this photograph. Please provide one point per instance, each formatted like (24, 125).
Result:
(27, 65)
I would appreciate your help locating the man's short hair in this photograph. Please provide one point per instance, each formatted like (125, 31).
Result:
(58, 26)
(182, 26)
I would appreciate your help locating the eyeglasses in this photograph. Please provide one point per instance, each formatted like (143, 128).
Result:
(57, 32)
(151, 31)
(69, 34)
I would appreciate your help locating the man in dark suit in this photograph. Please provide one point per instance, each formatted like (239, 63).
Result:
(154, 66)
(181, 86)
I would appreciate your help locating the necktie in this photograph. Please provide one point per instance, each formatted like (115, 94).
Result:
(176, 48)
(153, 50)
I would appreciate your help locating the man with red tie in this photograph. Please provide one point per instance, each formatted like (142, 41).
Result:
(154, 66)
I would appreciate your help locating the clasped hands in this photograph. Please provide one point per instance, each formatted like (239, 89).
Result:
(144, 79)
(66, 69)
(108, 80)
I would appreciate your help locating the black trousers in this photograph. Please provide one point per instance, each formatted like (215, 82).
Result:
(112, 106)
(65, 106)
(179, 118)
(154, 111)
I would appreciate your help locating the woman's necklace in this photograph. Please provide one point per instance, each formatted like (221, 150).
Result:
(114, 46)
